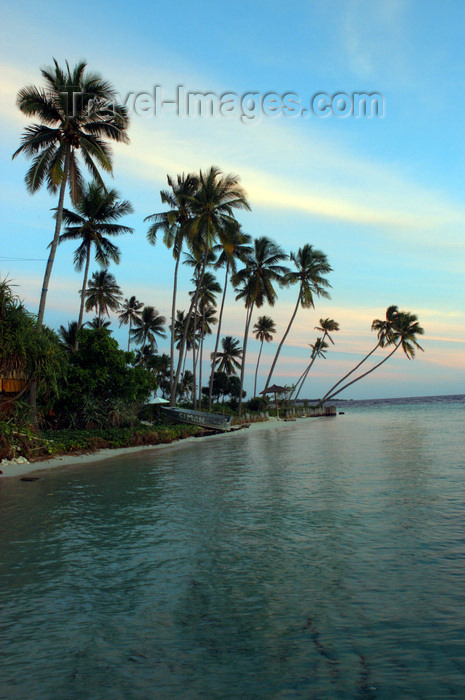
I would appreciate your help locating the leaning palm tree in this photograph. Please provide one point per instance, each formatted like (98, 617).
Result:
(129, 312)
(175, 225)
(229, 360)
(148, 327)
(401, 333)
(213, 207)
(262, 329)
(103, 294)
(77, 112)
(327, 326)
(318, 350)
(237, 249)
(311, 266)
(92, 222)
(384, 328)
(254, 284)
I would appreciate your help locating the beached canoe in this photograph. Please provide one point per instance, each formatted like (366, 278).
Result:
(214, 421)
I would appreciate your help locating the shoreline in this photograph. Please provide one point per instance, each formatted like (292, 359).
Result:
(15, 470)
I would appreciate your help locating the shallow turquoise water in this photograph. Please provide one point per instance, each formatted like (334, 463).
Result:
(322, 559)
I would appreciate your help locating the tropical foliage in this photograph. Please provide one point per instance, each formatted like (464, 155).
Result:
(77, 114)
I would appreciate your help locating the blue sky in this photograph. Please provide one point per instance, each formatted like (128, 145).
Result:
(382, 197)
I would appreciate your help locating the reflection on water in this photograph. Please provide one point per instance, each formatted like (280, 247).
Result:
(321, 559)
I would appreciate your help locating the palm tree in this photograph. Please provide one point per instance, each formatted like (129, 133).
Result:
(197, 264)
(318, 350)
(384, 328)
(327, 326)
(213, 206)
(401, 333)
(255, 283)
(175, 224)
(77, 113)
(191, 340)
(237, 249)
(229, 360)
(311, 266)
(68, 336)
(130, 312)
(206, 303)
(98, 323)
(262, 329)
(148, 326)
(93, 220)
(103, 294)
(145, 356)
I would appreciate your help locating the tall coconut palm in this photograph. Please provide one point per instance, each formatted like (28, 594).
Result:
(255, 285)
(384, 328)
(237, 250)
(197, 262)
(148, 327)
(206, 305)
(229, 359)
(92, 221)
(103, 294)
(402, 334)
(208, 319)
(318, 350)
(191, 339)
(213, 207)
(175, 225)
(263, 329)
(129, 312)
(78, 113)
(327, 326)
(311, 266)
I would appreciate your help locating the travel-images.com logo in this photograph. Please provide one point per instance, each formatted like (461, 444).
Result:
(248, 107)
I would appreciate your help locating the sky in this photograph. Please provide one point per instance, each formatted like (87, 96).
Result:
(381, 196)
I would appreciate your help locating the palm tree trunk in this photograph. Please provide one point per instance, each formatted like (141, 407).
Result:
(256, 370)
(202, 337)
(303, 378)
(47, 275)
(194, 363)
(331, 396)
(129, 334)
(248, 318)
(282, 342)
(83, 297)
(184, 335)
(217, 338)
(173, 314)
(348, 374)
(56, 236)
(184, 364)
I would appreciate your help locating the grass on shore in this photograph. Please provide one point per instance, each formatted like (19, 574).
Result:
(23, 442)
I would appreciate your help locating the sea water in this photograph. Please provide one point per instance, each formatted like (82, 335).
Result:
(315, 559)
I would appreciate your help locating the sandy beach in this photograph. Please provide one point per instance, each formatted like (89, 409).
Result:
(12, 469)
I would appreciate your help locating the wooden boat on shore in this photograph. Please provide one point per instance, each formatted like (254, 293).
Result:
(213, 421)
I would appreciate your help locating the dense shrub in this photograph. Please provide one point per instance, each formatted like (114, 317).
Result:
(103, 386)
